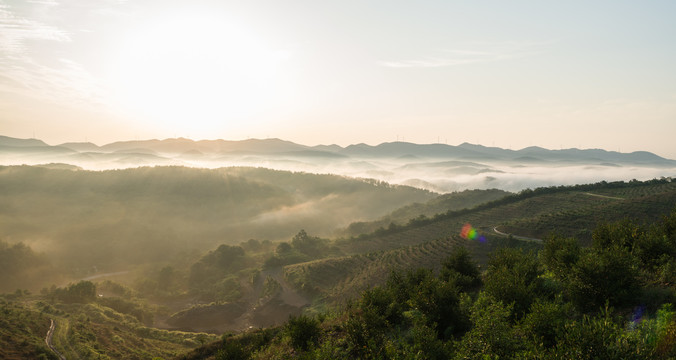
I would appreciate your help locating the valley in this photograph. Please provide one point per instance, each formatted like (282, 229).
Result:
(337, 180)
(158, 262)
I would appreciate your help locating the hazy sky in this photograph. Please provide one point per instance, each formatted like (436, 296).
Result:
(589, 74)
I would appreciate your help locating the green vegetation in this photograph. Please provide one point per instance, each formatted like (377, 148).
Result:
(211, 277)
(87, 326)
(603, 307)
(368, 258)
(302, 248)
(83, 292)
(419, 212)
(413, 288)
(22, 332)
(20, 265)
(109, 221)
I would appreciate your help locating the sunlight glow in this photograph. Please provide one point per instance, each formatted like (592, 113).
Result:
(194, 74)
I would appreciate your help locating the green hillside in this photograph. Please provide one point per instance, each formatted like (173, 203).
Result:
(447, 202)
(22, 332)
(611, 300)
(171, 303)
(565, 211)
(86, 222)
(85, 328)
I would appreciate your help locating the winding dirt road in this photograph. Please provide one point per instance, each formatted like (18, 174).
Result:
(524, 238)
(604, 196)
(48, 339)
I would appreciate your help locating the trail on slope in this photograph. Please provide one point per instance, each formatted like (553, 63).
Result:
(48, 339)
(604, 196)
(524, 238)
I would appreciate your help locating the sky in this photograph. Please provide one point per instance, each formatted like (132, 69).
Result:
(512, 74)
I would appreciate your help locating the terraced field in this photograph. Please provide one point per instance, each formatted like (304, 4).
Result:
(93, 331)
(337, 280)
(641, 203)
(566, 211)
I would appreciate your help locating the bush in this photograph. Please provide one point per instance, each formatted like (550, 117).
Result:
(545, 321)
(513, 278)
(492, 335)
(603, 276)
(597, 337)
(460, 270)
(231, 351)
(81, 292)
(560, 254)
(304, 332)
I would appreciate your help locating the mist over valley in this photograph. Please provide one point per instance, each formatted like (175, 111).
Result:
(439, 168)
(177, 241)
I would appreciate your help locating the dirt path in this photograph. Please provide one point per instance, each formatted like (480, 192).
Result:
(524, 238)
(93, 277)
(48, 339)
(604, 196)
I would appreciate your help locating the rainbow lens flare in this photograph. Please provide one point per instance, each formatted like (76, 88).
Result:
(470, 233)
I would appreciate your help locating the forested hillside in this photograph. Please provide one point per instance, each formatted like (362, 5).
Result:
(571, 211)
(611, 300)
(467, 280)
(101, 221)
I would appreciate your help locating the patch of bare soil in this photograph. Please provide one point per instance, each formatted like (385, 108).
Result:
(255, 310)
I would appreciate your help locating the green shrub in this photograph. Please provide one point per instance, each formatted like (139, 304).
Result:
(304, 332)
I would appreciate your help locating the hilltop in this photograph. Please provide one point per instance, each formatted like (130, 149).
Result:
(436, 167)
(176, 256)
(168, 149)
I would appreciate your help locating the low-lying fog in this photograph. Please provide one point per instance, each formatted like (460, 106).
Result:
(438, 175)
(449, 176)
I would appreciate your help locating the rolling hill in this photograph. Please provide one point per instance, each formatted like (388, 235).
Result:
(437, 167)
(315, 275)
(423, 242)
(110, 220)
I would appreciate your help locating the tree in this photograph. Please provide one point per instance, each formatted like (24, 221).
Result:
(621, 234)
(546, 320)
(597, 337)
(560, 254)
(491, 336)
(283, 248)
(459, 269)
(438, 302)
(231, 350)
(308, 245)
(81, 292)
(602, 276)
(512, 277)
(304, 332)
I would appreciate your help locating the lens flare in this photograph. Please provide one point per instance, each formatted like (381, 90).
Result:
(470, 233)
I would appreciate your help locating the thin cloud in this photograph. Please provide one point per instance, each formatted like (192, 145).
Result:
(15, 31)
(44, 2)
(26, 72)
(484, 53)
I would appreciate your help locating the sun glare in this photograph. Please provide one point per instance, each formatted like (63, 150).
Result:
(195, 74)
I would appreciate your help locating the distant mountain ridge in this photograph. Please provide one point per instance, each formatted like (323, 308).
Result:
(273, 146)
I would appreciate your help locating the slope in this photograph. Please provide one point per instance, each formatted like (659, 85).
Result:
(106, 221)
(567, 211)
